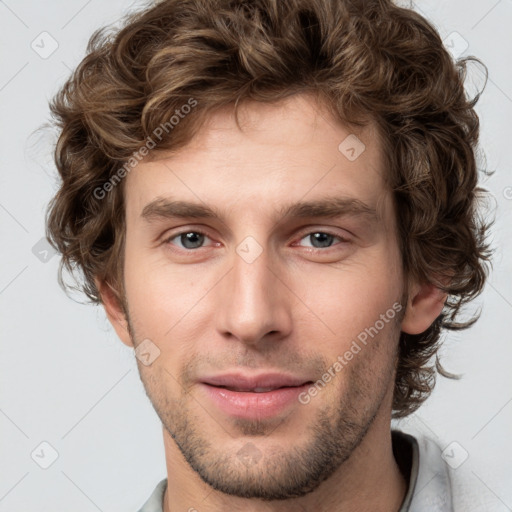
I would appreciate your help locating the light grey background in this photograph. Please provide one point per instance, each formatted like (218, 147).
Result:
(68, 381)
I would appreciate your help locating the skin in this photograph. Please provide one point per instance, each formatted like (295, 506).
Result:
(294, 309)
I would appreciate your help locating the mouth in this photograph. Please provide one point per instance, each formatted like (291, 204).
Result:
(253, 390)
(254, 383)
(254, 397)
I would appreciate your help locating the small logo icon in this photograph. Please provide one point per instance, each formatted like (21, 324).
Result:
(43, 251)
(455, 44)
(44, 45)
(44, 455)
(249, 249)
(249, 455)
(351, 147)
(146, 352)
(454, 455)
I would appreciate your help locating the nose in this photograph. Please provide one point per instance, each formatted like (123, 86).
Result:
(253, 303)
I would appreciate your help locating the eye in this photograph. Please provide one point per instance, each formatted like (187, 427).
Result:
(322, 239)
(188, 240)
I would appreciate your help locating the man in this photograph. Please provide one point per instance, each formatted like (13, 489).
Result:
(275, 204)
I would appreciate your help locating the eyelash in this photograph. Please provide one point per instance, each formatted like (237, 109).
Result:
(200, 232)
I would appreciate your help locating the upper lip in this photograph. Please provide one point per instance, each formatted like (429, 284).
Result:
(242, 382)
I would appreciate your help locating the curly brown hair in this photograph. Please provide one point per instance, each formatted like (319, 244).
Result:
(364, 59)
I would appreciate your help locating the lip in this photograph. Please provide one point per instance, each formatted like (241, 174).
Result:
(250, 382)
(235, 394)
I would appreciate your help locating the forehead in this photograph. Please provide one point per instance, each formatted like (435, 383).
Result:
(281, 152)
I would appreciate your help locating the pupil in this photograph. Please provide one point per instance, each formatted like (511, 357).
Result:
(192, 240)
(324, 239)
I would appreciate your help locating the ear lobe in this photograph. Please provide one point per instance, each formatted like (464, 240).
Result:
(115, 312)
(425, 304)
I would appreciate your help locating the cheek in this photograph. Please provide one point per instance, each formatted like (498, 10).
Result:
(362, 350)
(163, 300)
(351, 298)
(152, 289)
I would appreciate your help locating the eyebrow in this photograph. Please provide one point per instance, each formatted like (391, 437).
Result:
(163, 208)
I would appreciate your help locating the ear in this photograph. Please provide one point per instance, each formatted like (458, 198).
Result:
(114, 311)
(424, 305)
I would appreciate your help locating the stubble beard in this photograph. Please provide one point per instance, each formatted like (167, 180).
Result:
(274, 472)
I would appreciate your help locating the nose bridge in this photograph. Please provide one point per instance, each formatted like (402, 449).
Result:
(252, 303)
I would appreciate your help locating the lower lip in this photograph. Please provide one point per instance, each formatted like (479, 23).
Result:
(249, 405)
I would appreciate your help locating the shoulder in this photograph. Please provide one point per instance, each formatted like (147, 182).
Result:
(442, 481)
(155, 502)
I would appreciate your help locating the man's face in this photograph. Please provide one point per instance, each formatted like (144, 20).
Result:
(254, 299)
